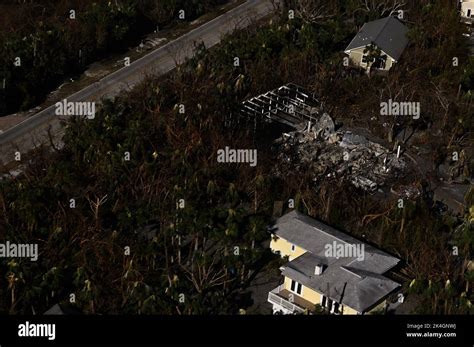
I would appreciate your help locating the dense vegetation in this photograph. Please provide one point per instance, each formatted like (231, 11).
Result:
(122, 203)
(53, 46)
(173, 157)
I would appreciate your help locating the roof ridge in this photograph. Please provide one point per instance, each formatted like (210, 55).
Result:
(333, 232)
(334, 236)
(387, 33)
(363, 273)
(318, 228)
(346, 268)
(387, 20)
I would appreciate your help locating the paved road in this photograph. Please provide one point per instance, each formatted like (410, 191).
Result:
(34, 130)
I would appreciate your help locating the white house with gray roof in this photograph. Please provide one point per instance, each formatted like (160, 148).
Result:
(383, 40)
(324, 269)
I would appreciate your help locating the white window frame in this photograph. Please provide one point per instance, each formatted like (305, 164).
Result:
(296, 287)
(334, 303)
(321, 299)
(326, 300)
(362, 63)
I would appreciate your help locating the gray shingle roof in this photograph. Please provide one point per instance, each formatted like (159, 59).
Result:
(356, 283)
(55, 310)
(389, 34)
(59, 309)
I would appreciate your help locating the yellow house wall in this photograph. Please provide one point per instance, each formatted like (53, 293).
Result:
(346, 310)
(356, 57)
(315, 297)
(466, 6)
(378, 307)
(306, 293)
(389, 63)
(287, 283)
(284, 247)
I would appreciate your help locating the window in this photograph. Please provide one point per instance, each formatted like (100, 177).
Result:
(296, 287)
(293, 248)
(469, 13)
(364, 59)
(329, 305)
(380, 62)
(335, 308)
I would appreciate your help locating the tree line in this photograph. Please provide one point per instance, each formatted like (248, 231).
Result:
(45, 42)
(194, 226)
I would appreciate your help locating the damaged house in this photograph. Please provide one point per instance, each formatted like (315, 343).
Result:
(316, 145)
(342, 154)
(289, 105)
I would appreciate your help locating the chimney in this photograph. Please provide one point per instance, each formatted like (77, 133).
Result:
(318, 269)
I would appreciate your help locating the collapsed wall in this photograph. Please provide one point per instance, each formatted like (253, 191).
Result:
(316, 146)
(325, 152)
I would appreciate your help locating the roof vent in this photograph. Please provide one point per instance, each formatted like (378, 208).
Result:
(318, 269)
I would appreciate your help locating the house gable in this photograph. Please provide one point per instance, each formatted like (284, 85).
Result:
(389, 34)
(357, 284)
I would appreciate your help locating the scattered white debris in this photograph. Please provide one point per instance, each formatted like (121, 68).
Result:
(326, 153)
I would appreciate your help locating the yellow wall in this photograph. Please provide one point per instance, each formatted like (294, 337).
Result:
(346, 310)
(311, 295)
(287, 283)
(284, 247)
(466, 6)
(356, 57)
(306, 293)
(315, 298)
(379, 307)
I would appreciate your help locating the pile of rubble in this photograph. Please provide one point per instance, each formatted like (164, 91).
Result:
(325, 152)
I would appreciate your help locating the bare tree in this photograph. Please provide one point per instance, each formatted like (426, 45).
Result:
(313, 11)
(381, 7)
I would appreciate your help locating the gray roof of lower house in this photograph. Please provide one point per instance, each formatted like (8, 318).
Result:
(357, 282)
(58, 309)
(356, 288)
(55, 310)
(389, 34)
